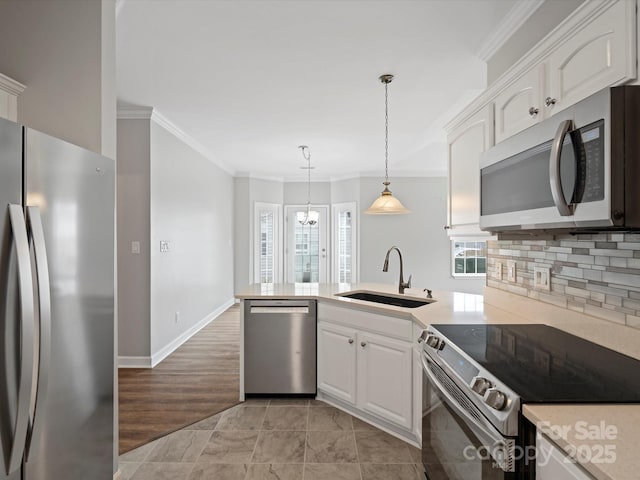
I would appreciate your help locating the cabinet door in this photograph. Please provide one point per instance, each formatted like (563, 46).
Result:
(520, 105)
(554, 464)
(466, 143)
(337, 361)
(599, 55)
(385, 378)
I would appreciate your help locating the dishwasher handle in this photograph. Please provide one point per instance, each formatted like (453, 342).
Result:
(279, 303)
(279, 310)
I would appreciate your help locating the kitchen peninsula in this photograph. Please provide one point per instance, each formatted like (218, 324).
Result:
(350, 376)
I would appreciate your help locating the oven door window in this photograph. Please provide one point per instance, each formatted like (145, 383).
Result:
(450, 449)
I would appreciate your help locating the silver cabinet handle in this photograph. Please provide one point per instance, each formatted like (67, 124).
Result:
(34, 223)
(25, 287)
(555, 180)
(363, 344)
(549, 101)
(350, 341)
(534, 111)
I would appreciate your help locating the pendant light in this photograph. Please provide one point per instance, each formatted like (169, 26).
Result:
(310, 217)
(386, 203)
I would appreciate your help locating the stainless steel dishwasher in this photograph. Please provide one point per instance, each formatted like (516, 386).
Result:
(280, 347)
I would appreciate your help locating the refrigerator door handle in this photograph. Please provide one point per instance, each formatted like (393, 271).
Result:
(25, 288)
(36, 233)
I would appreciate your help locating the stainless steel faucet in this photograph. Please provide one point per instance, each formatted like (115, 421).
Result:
(401, 285)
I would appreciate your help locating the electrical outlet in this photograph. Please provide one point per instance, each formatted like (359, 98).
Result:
(511, 271)
(497, 273)
(542, 278)
(164, 246)
(177, 317)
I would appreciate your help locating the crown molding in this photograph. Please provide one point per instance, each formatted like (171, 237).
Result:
(583, 15)
(11, 86)
(513, 20)
(134, 113)
(254, 176)
(172, 128)
(126, 112)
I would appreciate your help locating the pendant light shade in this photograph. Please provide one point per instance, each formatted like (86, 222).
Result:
(386, 203)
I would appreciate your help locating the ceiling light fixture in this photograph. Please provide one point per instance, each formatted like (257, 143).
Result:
(386, 203)
(310, 217)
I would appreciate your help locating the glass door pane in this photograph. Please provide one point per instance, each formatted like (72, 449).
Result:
(307, 247)
(344, 245)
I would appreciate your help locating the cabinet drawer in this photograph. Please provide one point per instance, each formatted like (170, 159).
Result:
(400, 328)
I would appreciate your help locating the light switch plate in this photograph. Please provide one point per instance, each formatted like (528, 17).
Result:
(497, 272)
(135, 247)
(542, 278)
(511, 271)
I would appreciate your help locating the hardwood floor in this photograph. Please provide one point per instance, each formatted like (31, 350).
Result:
(199, 379)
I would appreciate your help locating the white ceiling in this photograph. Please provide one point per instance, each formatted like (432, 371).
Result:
(252, 80)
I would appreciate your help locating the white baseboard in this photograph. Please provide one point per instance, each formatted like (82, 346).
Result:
(134, 362)
(167, 350)
(156, 358)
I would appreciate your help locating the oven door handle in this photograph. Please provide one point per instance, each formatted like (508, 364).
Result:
(486, 433)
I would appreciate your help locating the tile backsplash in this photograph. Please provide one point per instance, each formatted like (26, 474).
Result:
(597, 274)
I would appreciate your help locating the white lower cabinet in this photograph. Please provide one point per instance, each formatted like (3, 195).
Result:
(384, 378)
(337, 361)
(553, 464)
(371, 372)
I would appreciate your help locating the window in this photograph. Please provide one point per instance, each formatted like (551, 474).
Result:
(344, 243)
(267, 248)
(469, 258)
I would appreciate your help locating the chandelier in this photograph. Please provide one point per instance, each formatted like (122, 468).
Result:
(309, 217)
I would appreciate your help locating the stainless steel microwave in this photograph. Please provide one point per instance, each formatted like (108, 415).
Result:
(579, 169)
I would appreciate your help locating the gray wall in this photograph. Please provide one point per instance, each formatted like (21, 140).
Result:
(247, 191)
(192, 208)
(63, 51)
(544, 19)
(420, 235)
(296, 193)
(242, 232)
(133, 194)
(343, 191)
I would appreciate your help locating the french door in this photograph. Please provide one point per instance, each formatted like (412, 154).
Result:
(306, 246)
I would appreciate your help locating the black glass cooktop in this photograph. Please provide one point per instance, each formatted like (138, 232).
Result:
(544, 364)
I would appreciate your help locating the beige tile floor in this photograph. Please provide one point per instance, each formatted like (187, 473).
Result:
(275, 439)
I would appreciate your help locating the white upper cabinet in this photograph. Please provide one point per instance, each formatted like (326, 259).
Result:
(10, 90)
(520, 105)
(589, 51)
(599, 55)
(467, 142)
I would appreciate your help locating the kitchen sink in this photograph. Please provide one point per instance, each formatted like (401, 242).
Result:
(386, 299)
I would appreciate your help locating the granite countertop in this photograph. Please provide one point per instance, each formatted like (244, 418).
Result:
(602, 438)
(497, 306)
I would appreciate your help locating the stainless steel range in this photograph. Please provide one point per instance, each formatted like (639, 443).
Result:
(477, 377)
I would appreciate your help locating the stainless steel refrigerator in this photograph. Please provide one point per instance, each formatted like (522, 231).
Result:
(56, 308)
